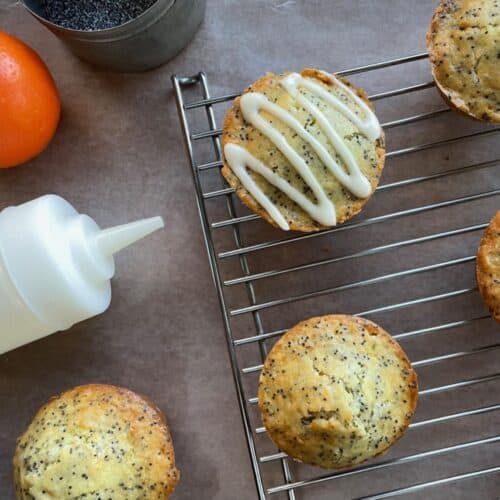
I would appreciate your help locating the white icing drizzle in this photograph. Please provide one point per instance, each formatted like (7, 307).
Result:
(354, 180)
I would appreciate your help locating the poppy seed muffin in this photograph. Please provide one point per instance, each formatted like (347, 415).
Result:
(304, 151)
(488, 267)
(96, 441)
(463, 41)
(336, 390)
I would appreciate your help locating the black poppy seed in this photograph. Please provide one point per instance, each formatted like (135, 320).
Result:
(93, 15)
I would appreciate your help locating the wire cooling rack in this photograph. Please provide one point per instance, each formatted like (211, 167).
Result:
(407, 262)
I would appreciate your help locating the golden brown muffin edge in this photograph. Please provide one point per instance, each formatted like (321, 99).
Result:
(488, 273)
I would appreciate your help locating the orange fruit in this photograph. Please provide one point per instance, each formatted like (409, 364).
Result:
(29, 103)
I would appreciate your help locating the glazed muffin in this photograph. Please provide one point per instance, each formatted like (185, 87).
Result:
(96, 441)
(464, 48)
(488, 267)
(304, 151)
(336, 390)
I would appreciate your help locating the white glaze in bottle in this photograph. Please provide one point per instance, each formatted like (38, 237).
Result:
(55, 267)
(354, 180)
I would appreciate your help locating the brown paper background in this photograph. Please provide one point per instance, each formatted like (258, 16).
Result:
(118, 156)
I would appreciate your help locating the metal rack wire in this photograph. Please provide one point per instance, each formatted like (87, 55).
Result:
(235, 244)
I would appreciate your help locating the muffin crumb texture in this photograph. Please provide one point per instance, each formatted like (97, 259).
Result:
(464, 47)
(96, 442)
(336, 391)
(488, 267)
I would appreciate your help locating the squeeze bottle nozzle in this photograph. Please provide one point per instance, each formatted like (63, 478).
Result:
(55, 267)
(114, 239)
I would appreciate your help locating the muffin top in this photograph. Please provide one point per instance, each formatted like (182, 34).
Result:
(336, 390)
(464, 47)
(96, 441)
(305, 151)
(488, 267)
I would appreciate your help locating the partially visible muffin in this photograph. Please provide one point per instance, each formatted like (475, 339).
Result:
(488, 267)
(464, 47)
(336, 390)
(96, 441)
(306, 99)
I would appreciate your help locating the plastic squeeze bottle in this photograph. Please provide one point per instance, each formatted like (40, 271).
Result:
(55, 267)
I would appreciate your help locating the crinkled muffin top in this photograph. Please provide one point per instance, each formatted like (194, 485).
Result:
(464, 47)
(336, 391)
(96, 442)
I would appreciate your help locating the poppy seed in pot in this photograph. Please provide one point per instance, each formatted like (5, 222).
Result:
(93, 15)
